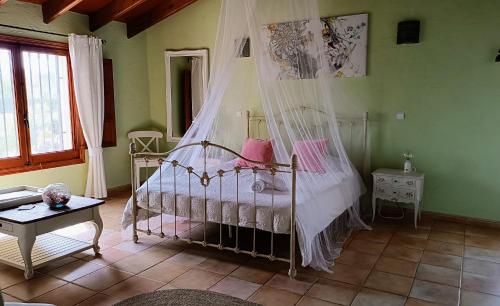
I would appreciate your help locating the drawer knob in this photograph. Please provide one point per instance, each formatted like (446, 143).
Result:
(410, 182)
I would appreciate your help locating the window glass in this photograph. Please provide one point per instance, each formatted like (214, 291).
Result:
(9, 141)
(48, 102)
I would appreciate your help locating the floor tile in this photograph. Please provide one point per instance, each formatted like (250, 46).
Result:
(34, 287)
(449, 227)
(403, 253)
(482, 242)
(417, 302)
(9, 298)
(252, 274)
(309, 301)
(268, 296)
(441, 275)
(389, 282)
(471, 298)
(442, 260)
(133, 286)
(333, 291)
(444, 247)
(102, 279)
(482, 254)
(132, 247)
(365, 246)
(481, 283)
(298, 285)
(396, 266)
(56, 264)
(235, 287)
(75, 270)
(217, 266)
(414, 233)
(472, 230)
(348, 274)
(447, 237)
(108, 256)
(165, 271)
(136, 263)
(382, 236)
(66, 295)
(482, 267)
(409, 242)
(187, 259)
(369, 297)
(435, 293)
(196, 279)
(100, 300)
(358, 259)
(10, 276)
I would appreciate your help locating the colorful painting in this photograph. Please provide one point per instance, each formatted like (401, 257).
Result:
(345, 42)
(292, 47)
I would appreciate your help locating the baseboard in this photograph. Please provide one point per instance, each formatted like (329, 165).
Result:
(461, 219)
(119, 190)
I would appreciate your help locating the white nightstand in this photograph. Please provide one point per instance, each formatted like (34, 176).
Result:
(397, 186)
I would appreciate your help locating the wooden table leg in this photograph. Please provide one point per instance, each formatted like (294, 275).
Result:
(26, 240)
(97, 222)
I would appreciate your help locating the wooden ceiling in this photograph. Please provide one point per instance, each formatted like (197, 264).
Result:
(137, 14)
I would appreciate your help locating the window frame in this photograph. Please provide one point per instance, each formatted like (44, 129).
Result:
(28, 161)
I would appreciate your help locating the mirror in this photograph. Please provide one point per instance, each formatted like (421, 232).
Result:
(187, 79)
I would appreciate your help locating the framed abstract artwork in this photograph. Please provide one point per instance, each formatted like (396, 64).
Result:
(292, 48)
(345, 43)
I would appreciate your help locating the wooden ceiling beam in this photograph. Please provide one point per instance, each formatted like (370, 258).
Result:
(112, 11)
(155, 15)
(54, 8)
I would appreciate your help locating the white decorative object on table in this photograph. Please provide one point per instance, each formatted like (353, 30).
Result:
(398, 186)
(56, 195)
(407, 168)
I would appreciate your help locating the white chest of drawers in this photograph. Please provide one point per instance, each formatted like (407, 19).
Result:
(397, 186)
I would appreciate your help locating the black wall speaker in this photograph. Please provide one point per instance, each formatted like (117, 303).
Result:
(408, 32)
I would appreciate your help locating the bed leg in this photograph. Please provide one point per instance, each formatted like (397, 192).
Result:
(132, 151)
(292, 272)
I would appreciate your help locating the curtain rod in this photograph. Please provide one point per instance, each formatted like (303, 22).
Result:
(36, 31)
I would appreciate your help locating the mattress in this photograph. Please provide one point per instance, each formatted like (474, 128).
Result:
(331, 199)
(251, 208)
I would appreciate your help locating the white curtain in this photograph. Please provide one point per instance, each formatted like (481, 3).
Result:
(86, 63)
(196, 85)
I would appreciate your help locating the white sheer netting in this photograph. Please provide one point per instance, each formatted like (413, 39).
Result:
(298, 103)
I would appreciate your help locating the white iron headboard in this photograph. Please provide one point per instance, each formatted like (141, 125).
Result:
(353, 133)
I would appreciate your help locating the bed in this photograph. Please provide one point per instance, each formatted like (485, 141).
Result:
(197, 196)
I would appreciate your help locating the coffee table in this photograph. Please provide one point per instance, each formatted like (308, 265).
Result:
(28, 242)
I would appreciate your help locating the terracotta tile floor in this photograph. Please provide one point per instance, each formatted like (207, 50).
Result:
(441, 263)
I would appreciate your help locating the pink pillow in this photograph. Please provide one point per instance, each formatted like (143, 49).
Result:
(310, 154)
(258, 150)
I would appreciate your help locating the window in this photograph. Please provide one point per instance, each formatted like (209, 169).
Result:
(39, 125)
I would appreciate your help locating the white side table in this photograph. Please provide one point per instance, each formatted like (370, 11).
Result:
(396, 186)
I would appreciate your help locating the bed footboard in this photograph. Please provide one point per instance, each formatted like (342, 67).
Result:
(205, 180)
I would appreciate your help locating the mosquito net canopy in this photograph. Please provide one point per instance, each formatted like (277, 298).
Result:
(287, 42)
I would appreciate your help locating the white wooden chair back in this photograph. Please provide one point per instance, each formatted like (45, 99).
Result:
(145, 139)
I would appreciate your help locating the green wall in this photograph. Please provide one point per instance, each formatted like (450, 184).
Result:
(130, 83)
(447, 85)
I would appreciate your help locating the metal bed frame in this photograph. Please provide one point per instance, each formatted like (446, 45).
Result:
(205, 180)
